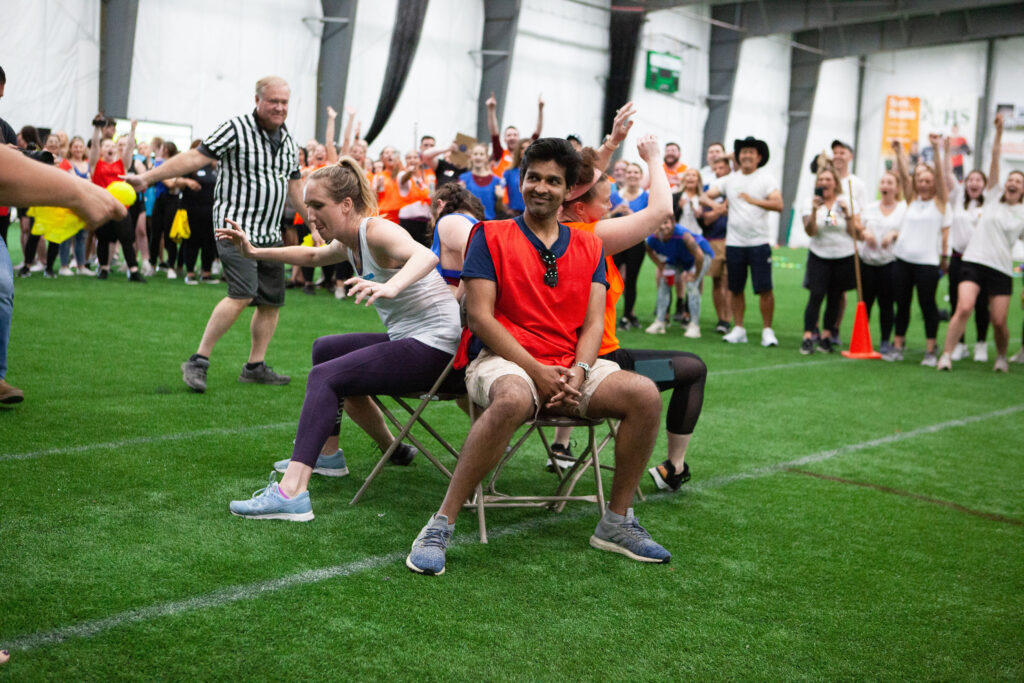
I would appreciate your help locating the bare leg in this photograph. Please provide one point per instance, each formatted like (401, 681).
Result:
(224, 315)
(141, 240)
(264, 322)
(999, 308)
(677, 445)
(367, 415)
(511, 405)
(767, 301)
(739, 307)
(296, 478)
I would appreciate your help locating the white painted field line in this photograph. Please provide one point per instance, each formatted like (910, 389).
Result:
(143, 440)
(232, 594)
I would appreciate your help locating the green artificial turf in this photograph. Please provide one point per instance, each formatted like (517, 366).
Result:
(119, 559)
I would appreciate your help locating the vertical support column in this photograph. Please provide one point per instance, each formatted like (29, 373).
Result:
(984, 102)
(723, 58)
(623, 39)
(335, 54)
(803, 85)
(117, 45)
(861, 68)
(501, 21)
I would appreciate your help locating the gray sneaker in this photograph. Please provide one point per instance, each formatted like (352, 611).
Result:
(427, 555)
(193, 373)
(263, 374)
(624, 535)
(327, 465)
(895, 355)
(930, 359)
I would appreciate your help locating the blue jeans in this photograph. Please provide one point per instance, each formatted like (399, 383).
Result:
(6, 304)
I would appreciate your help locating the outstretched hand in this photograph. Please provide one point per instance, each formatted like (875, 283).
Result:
(649, 150)
(237, 237)
(491, 102)
(623, 122)
(370, 290)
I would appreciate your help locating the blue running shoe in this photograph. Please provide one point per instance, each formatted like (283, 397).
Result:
(624, 535)
(427, 555)
(327, 465)
(268, 503)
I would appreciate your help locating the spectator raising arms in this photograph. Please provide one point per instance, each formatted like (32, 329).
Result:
(482, 182)
(502, 159)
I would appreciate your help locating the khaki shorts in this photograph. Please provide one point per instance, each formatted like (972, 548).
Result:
(489, 367)
(718, 262)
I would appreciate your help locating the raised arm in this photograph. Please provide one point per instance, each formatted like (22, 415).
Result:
(620, 129)
(429, 157)
(492, 127)
(329, 141)
(618, 234)
(179, 165)
(941, 193)
(97, 138)
(902, 171)
(346, 138)
(540, 117)
(947, 166)
(129, 149)
(997, 150)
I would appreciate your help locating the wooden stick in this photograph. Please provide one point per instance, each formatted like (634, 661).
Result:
(856, 256)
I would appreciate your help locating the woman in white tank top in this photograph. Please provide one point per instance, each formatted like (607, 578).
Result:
(394, 273)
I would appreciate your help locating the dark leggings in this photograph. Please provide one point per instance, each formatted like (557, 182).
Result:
(687, 386)
(879, 284)
(31, 244)
(200, 223)
(361, 364)
(116, 231)
(164, 209)
(926, 280)
(633, 258)
(981, 317)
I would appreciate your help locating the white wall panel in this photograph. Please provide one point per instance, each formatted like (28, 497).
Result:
(561, 52)
(196, 62)
(677, 117)
(834, 116)
(51, 56)
(440, 94)
(760, 101)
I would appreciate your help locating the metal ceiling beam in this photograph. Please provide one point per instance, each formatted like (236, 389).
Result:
(723, 58)
(501, 21)
(339, 23)
(920, 31)
(117, 45)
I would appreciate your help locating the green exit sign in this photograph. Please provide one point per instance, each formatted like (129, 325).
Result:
(663, 70)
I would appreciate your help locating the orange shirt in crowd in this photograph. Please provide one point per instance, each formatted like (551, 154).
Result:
(675, 175)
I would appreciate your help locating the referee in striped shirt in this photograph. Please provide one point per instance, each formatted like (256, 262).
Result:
(258, 169)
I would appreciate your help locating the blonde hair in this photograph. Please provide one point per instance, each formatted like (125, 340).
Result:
(831, 170)
(346, 179)
(268, 81)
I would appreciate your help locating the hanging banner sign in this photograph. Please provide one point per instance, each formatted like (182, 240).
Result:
(902, 117)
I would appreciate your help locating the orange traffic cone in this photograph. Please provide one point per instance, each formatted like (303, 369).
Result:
(860, 343)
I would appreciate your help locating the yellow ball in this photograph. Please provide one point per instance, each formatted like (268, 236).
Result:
(122, 191)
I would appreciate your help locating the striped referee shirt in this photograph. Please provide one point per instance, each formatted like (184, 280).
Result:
(254, 172)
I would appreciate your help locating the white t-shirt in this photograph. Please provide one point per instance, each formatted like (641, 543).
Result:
(920, 240)
(880, 225)
(1000, 226)
(860, 192)
(963, 221)
(831, 241)
(748, 224)
(688, 219)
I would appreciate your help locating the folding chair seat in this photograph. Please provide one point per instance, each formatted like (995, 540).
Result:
(487, 495)
(450, 386)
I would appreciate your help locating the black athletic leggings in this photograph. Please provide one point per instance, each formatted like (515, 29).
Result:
(926, 280)
(164, 208)
(200, 224)
(879, 284)
(633, 258)
(116, 231)
(687, 386)
(981, 317)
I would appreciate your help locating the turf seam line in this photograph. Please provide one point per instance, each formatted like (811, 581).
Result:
(232, 594)
(141, 440)
(991, 516)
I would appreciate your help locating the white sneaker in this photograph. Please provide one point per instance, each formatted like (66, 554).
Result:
(657, 327)
(37, 267)
(215, 270)
(66, 271)
(189, 280)
(768, 337)
(945, 362)
(692, 331)
(981, 352)
(147, 268)
(930, 361)
(1001, 365)
(171, 274)
(1018, 357)
(960, 352)
(738, 335)
(339, 291)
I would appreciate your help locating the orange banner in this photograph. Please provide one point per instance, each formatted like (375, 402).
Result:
(902, 115)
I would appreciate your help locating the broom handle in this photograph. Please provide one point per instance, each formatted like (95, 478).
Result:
(856, 256)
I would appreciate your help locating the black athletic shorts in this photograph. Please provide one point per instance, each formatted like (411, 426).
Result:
(758, 259)
(991, 281)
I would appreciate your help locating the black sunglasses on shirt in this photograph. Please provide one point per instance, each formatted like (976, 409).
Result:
(549, 259)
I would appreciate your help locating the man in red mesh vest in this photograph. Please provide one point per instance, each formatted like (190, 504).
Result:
(535, 293)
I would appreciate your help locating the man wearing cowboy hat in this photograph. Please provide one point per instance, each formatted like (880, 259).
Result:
(752, 193)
